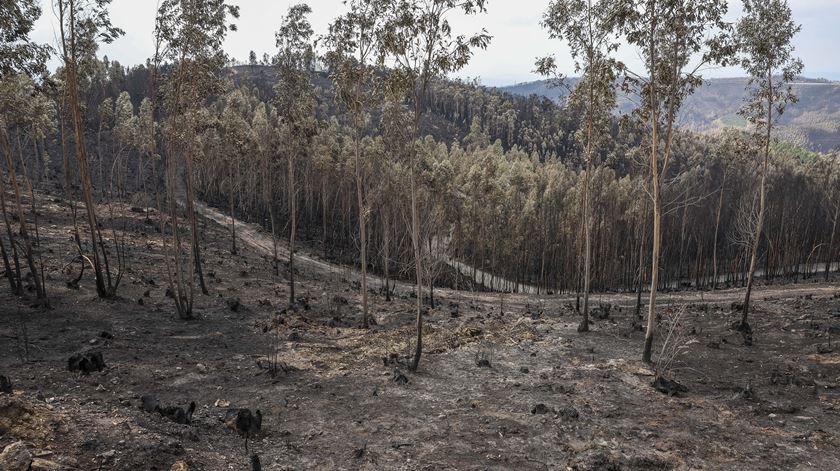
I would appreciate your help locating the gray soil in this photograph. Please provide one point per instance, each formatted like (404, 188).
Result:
(505, 382)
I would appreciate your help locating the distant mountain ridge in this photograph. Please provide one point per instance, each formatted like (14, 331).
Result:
(813, 122)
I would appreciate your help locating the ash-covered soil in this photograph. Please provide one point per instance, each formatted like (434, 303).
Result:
(506, 382)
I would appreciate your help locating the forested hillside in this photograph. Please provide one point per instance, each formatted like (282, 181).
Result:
(341, 256)
(500, 179)
(811, 123)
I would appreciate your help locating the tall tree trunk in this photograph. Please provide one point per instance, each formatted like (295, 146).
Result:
(232, 213)
(831, 252)
(14, 278)
(70, 61)
(415, 241)
(271, 212)
(293, 226)
(657, 215)
(762, 201)
(717, 232)
(640, 274)
(360, 201)
(23, 228)
(324, 214)
(587, 216)
(431, 277)
(415, 225)
(40, 277)
(386, 246)
(196, 248)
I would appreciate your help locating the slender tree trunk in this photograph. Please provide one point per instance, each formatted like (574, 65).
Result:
(324, 213)
(69, 51)
(182, 292)
(293, 228)
(640, 275)
(587, 217)
(717, 232)
(40, 277)
(232, 213)
(431, 277)
(830, 257)
(657, 177)
(654, 274)
(415, 226)
(271, 212)
(761, 206)
(7, 268)
(196, 248)
(679, 277)
(22, 225)
(360, 201)
(100, 158)
(14, 278)
(657, 220)
(415, 241)
(386, 246)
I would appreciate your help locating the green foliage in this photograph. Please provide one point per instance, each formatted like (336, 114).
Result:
(294, 92)
(418, 38)
(17, 53)
(765, 35)
(191, 33)
(590, 30)
(676, 39)
(84, 25)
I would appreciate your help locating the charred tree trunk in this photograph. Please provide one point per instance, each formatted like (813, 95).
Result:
(831, 252)
(293, 226)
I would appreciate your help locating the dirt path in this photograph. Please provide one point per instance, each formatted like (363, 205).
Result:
(256, 237)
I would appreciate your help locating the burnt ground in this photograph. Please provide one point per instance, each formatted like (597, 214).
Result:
(512, 387)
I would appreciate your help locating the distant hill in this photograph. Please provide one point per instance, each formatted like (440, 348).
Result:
(813, 122)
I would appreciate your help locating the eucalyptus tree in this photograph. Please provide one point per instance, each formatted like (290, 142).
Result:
(764, 35)
(354, 58)
(236, 144)
(145, 141)
(34, 121)
(326, 155)
(105, 112)
(676, 39)
(265, 134)
(191, 34)
(18, 54)
(395, 129)
(22, 107)
(124, 137)
(588, 26)
(419, 42)
(295, 103)
(20, 59)
(82, 25)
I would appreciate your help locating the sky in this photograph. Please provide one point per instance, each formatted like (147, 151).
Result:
(518, 38)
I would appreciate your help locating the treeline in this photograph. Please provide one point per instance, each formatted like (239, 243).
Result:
(514, 214)
(511, 207)
(498, 208)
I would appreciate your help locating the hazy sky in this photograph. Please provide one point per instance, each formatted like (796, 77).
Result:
(514, 24)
